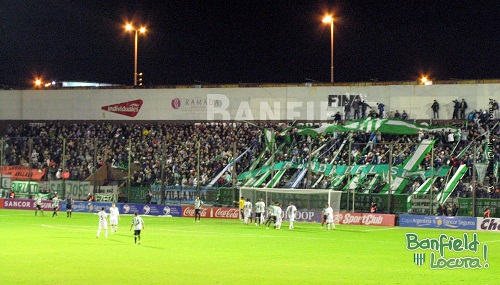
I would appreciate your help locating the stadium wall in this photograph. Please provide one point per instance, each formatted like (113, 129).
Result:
(308, 102)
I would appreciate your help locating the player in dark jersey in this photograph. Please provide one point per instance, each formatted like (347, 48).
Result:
(69, 204)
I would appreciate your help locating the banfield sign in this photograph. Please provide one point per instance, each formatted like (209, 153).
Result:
(366, 219)
(212, 212)
(488, 224)
(129, 109)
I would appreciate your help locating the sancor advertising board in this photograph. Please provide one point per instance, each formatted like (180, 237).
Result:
(441, 222)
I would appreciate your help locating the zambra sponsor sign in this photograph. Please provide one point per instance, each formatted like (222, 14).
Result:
(488, 224)
(367, 219)
(466, 223)
(129, 109)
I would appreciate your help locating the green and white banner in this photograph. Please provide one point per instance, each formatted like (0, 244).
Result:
(385, 126)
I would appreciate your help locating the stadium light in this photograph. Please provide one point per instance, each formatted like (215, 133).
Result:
(425, 81)
(142, 30)
(329, 19)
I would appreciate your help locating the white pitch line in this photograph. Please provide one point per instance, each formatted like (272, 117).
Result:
(381, 229)
(63, 228)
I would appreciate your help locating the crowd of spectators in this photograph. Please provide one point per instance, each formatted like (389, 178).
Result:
(168, 153)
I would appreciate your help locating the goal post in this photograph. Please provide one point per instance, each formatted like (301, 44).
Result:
(309, 202)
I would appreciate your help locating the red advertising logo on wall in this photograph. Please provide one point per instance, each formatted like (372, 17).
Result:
(176, 103)
(188, 211)
(367, 219)
(212, 212)
(130, 108)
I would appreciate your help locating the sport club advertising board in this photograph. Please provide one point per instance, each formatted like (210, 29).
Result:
(366, 219)
(438, 222)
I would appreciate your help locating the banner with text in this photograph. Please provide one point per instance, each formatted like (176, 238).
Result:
(367, 219)
(442, 222)
(24, 204)
(488, 224)
(212, 212)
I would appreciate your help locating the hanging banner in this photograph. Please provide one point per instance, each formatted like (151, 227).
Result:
(24, 189)
(19, 172)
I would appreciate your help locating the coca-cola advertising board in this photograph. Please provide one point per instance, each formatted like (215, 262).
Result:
(367, 219)
(212, 212)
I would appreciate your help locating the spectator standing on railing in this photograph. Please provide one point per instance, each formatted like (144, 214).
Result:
(364, 106)
(435, 109)
(463, 107)
(347, 111)
(381, 110)
(404, 115)
(456, 109)
(355, 107)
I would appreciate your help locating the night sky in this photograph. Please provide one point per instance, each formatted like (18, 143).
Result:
(240, 41)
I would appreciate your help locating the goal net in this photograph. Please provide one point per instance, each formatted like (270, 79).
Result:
(309, 202)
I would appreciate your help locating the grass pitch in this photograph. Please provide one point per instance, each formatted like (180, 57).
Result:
(45, 250)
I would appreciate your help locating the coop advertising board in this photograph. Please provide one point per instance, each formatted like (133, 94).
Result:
(442, 222)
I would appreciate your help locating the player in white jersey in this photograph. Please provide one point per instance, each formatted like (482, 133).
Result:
(38, 204)
(260, 206)
(279, 218)
(272, 215)
(291, 210)
(328, 217)
(197, 209)
(138, 225)
(114, 216)
(247, 212)
(103, 223)
(55, 205)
